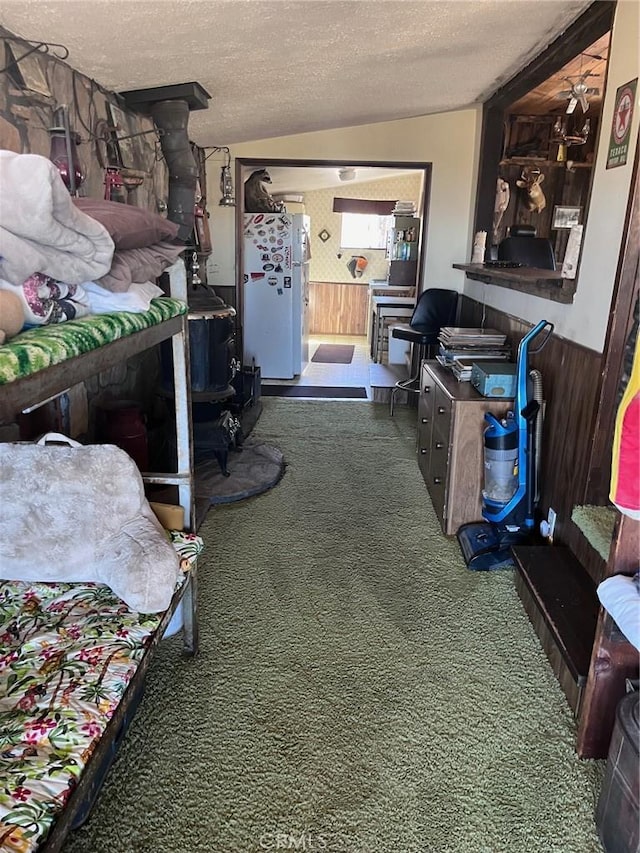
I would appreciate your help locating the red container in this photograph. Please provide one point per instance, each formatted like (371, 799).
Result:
(121, 422)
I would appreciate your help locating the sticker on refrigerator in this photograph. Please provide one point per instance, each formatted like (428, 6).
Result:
(287, 281)
(273, 280)
(280, 291)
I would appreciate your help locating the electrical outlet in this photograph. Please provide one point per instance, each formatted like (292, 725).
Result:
(551, 521)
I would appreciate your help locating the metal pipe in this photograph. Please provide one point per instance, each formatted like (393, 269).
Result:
(172, 117)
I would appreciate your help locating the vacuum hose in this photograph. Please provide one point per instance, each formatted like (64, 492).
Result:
(536, 383)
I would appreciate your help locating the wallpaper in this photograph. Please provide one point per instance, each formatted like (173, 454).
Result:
(325, 264)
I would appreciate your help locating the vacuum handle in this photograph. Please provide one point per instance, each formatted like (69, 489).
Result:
(536, 331)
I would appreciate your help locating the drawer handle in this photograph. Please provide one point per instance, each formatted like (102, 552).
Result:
(437, 480)
(423, 450)
(424, 420)
(439, 445)
(427, 389)
(442, 410)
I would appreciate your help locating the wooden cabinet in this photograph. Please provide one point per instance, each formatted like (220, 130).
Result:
(450, 444)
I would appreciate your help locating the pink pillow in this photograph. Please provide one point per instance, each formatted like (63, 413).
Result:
(130, 227)
(140, 265)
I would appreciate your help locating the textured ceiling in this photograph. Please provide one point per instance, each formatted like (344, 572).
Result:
(279, 67)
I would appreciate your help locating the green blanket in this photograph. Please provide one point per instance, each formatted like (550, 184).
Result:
(39, 348)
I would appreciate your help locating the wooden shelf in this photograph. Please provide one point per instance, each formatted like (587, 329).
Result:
(530, 161)
(561, 601)
(549, 284)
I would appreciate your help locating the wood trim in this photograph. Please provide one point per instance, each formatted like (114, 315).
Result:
(337, 308)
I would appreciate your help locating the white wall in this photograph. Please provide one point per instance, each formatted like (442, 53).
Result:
(449, 141)
(586, 320)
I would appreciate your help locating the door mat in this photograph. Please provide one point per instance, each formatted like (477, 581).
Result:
(313, 391)
(334, 354)
(252, 470)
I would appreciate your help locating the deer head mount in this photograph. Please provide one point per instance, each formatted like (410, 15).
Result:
(529, 181)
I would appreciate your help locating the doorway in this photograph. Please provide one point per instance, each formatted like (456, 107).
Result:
(339, 293)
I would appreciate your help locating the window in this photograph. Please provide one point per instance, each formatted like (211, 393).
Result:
(364, 231)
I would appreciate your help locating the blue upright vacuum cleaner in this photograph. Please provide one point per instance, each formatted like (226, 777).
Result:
(511, 446)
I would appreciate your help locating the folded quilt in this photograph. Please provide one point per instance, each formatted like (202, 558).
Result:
(41, 230)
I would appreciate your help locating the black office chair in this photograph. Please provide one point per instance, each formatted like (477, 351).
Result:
(522, 246)
(434, 309)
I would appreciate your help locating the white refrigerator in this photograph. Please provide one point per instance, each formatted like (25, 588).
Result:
(276, 293)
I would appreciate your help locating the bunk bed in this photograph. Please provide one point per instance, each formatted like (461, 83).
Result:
(73, 709)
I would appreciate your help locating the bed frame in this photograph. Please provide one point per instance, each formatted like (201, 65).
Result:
(29, 393)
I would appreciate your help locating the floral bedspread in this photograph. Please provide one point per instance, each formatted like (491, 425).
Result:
(39, 348)
(67, 654)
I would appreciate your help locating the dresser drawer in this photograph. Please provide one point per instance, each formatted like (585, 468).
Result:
(428, 387)
(442, 415)
(424, 436)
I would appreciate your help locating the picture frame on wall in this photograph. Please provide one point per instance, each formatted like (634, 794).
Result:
(565, 217)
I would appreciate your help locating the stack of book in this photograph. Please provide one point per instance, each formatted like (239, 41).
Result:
(404, 208)
(460, 348)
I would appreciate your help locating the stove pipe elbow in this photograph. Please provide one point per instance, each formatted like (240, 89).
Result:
(172, 118)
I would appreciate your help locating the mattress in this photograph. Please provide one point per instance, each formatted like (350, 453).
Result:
(68, 653)
(39, 348)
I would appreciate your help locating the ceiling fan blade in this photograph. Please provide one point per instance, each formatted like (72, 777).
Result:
(571, 106)
(584, 103)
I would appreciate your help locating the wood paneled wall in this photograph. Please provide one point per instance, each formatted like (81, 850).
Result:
(338, 309)
(570, 376)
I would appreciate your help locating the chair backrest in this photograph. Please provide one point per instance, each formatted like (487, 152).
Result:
(434, 309)
(528, 251)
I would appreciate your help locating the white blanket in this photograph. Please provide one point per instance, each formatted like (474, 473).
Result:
(41, 230)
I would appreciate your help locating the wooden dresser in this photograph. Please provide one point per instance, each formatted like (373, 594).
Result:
(450, 444)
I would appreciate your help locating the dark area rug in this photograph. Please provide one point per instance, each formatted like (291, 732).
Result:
(253, 470)
(326, 391)
(334, 354)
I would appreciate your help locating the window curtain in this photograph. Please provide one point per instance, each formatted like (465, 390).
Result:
(363, 205)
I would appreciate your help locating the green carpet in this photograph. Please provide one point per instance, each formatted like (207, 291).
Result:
(596, 523)
(358, 689)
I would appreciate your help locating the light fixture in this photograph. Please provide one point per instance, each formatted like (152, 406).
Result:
(226, 182)
(64, 150)
(347, 173)
(564, 137)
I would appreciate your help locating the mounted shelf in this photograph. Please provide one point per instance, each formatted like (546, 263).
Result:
(548, 284)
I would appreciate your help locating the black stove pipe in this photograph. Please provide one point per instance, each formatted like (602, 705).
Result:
(172, 118)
